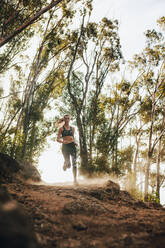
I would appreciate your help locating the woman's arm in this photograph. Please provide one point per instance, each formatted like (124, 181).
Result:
(73, 131)
(59, 136)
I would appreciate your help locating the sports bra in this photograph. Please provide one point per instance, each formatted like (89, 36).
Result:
(66, 132)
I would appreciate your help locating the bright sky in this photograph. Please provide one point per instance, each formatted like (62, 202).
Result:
(135, 17)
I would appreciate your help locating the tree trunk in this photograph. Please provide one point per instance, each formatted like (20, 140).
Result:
(83, 145)
(32, 142)
(25, 133)
(158, 172)
(135, 164)
(147, 172)
(90, 144)
(150, 150)
(135, 160)
(116, 153)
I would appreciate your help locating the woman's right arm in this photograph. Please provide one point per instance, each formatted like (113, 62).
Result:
(59, 136)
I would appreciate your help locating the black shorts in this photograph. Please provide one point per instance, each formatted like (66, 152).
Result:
(69, 150)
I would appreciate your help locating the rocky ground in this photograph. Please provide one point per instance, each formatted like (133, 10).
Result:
(89, 216)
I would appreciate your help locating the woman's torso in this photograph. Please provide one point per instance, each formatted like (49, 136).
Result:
(67, 134)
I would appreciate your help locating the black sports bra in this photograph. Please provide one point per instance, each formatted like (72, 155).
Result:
(66, 132)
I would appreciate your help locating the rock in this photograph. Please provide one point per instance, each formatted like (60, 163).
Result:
(8, 167)
(79, 226)
(81, 206)
(30, 172)
(97, 193)
(4, 195)
(15, 229)
(11, 170)
(112, 185)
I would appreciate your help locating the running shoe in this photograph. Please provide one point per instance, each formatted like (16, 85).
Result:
(64, 166)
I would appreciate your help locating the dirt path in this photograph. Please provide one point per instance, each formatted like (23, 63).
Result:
(90, 217)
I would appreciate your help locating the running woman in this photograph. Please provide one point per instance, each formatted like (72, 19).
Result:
(66, 137)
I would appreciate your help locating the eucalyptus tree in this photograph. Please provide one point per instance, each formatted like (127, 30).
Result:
(137, 132)
(16, 26)
(160, 174)
(45, 75)
(151, 63)
(120, 105)
(94, 54)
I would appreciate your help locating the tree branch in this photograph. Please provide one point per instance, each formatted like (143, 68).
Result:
(3, 41)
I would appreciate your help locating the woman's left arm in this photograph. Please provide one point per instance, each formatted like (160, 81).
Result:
(73, 130)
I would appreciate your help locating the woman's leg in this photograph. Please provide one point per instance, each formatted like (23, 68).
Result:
(74, 162)
(66, 156)
(75, 174)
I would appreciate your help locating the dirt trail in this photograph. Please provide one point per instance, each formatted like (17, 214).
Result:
(90, 217)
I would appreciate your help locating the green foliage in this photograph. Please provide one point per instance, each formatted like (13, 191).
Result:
(161, 22)
(99, 166)
(12, 16)
(125, 159)
(26, 129)
(152, 197)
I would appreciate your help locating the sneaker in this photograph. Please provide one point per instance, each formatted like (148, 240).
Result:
(68, 165)
(64, 166)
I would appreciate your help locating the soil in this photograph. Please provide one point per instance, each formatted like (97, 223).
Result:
(90, 216)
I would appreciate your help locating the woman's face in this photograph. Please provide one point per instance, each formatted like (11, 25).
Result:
(66, 118)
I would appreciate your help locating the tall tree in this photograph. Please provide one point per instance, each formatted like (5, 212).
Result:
(95, 51)
(121, 104)
(137, 132)
(46, 74)
(20, 21)
(151, 62)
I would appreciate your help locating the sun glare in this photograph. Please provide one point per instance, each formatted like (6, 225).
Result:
(51, 166)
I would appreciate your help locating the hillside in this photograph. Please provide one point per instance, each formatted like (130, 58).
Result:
(89, 216)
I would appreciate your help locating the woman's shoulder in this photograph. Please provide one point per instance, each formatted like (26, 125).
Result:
(61, 128)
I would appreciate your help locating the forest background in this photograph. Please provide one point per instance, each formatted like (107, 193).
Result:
(67, 62)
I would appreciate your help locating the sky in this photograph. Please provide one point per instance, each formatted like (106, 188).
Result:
(134, 17)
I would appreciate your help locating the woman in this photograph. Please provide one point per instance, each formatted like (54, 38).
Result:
(66, 137)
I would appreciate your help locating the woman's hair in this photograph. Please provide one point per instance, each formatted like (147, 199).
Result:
(66, 115)
(61, 121)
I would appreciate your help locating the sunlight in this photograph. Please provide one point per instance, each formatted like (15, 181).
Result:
(1, 115)
(51, 166)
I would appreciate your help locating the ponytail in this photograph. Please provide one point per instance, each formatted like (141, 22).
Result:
(60, 122)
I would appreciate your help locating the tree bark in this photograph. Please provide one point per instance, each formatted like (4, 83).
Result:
(136, 157)
(147, 172)
(83, 145)
(158, 172)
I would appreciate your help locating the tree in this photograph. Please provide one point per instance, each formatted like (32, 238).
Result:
(121, 104)
(137, 133)
(151, 63)
(46, 74)
(20, 21)
(95, 50)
